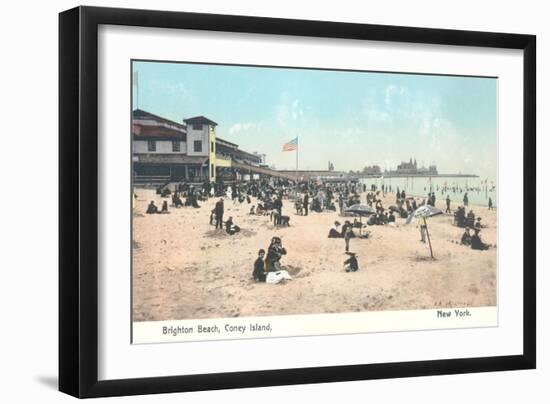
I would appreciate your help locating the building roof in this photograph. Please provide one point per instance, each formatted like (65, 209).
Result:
(145, 132)
(226, 142)
(176, 158)
(141, 114)
(199, 120)
(248, 155)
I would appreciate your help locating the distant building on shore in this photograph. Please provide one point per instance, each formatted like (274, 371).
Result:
(411, 168)
(164, 150)
(372, 170)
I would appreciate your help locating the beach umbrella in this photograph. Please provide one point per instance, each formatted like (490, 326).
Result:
(360, 210)
(424, 212)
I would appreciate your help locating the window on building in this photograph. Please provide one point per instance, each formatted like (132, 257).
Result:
(176, 146)
(197, 126)
(151, 145)
(197, 146)
(212, 147)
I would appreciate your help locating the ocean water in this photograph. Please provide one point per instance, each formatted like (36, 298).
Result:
(479, 189)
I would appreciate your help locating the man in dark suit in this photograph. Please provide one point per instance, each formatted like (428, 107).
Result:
(306, 203)
(219, 213)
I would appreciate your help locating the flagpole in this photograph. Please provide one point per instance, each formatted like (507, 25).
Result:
(296, 173)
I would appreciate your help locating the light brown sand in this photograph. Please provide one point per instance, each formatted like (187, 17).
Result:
(185, 269)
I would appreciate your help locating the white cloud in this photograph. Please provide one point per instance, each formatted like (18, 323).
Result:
(242, 127)
(288, 111)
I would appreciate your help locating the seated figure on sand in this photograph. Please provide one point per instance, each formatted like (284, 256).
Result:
(274, 255)
(316, 205)
(466, 237)
(477, 244)
(334, 232)
(279, 220)
(477, 225)
(351, 264)
(152, 208)
(230, 227)
(176, 200)
(259, 267)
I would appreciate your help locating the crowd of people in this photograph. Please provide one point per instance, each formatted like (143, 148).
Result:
(309, 197)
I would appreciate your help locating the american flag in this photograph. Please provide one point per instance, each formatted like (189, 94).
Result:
(292, 145)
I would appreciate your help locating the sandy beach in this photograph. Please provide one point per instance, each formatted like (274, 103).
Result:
(183, 268)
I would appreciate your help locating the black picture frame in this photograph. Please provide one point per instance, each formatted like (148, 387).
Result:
(78, 196)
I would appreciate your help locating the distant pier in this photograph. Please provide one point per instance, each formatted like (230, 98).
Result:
(419, 175)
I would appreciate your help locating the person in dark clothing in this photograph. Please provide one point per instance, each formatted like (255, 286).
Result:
(274, 255)
(477, 225)
(477, 244)
(334, 232)
(176, 200)
(490, 204)
(347, 231)
(219, 213)
(152, 208)
(470, 219)
(164, 207)
(351, 264)
(259, 267)
(306, 203)
(466, 237)
(278, 206)
(230, 228)
(448, 202)
(465, 199)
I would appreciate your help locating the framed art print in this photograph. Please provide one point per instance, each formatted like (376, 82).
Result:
(251, 201)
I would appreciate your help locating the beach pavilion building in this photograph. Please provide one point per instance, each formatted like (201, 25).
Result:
(164, 151)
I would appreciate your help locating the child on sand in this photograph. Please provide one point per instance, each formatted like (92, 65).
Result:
(351, 264)
(259, 267)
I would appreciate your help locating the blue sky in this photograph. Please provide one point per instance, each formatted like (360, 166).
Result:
(350, 118)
